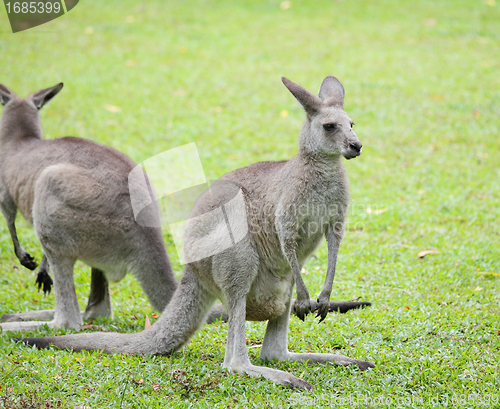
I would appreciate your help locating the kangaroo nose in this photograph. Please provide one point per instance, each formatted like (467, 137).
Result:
(355, 147)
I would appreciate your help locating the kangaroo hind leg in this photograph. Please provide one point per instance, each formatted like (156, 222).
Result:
(275, 346)
(236, 358)
(234, 270)
(67, 312)
(99, 304)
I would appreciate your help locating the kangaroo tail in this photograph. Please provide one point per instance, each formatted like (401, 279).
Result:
(218, 312)
(178, 323)
(344, 306)
(338, 306)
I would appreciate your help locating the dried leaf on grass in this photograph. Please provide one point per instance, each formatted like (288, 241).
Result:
(369, 210)
(437, 97)
(423, 253)
(112, 108)
(285, 5)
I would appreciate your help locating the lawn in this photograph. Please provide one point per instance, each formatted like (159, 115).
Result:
(422, 84)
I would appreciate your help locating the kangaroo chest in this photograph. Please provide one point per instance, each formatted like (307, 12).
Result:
(321, 206)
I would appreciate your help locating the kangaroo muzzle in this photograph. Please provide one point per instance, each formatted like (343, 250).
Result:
(354, 149)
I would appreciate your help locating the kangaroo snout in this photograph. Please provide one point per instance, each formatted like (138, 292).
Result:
(354, 150)
(356, 146)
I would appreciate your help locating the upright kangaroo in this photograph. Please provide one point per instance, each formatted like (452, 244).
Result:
(288, 206)
(76, 194)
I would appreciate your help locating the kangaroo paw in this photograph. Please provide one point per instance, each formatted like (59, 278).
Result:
(44, 281)
(323, 308)
(302, 308)
(28, 261)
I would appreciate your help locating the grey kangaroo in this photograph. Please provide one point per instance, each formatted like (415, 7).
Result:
(76, 194)
(288, 207)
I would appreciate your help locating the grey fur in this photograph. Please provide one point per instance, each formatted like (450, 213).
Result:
(75, 193)
(255, 277)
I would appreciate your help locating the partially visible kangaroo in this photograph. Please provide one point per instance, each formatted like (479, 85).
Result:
(76, 194)
(285, 203)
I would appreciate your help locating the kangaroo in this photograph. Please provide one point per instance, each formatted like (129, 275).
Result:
(76, 194)
(288, 207)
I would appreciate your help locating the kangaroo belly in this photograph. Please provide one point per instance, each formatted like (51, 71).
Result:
(268, 296)
(114, 272)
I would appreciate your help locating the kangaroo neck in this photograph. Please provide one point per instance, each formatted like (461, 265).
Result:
(319, 165)
(20, 126)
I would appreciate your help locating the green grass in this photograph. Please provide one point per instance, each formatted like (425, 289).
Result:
(422, 81)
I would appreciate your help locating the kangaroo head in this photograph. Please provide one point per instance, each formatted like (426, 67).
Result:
(327, 130)
(20, 115)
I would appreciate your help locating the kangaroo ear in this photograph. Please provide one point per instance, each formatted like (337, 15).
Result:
(40, 98)
(309, 101)
(5, 94)
(332, 92)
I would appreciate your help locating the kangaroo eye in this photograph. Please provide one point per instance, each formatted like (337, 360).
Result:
(329, 127)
